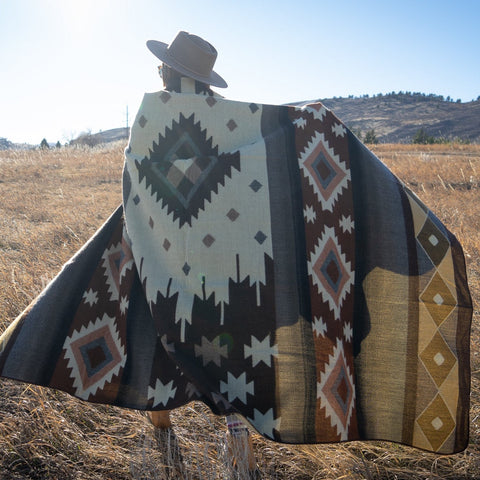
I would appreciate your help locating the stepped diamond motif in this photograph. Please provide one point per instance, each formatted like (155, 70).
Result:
(330, 272)
(325, 171)
(184, 168)
(94, 354)
(336, 391)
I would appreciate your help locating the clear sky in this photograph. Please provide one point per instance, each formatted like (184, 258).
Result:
(69, 66)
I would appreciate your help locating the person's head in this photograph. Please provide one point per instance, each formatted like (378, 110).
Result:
(172, 81)
(187, 56)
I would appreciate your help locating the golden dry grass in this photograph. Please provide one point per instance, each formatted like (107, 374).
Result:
(53, 201)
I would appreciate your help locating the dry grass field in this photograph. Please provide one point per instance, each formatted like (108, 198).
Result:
(51, 202)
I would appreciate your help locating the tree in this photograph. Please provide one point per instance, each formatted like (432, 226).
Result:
(58, 144)
(44, 144)
(370, 137)
(423, 138)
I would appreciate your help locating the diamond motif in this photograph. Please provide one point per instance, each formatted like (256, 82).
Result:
(329, 271)
(232, 125)
(325, 172)
(438, 299)
(186, 268)
(436, 423)
(151, 223)
(260, 237)
(233, 214)
(165, 97)
(438, 359)
(142, 121)
(166, 244)
(210, 101)
(336, 391)
(253, 107)
(94, 354)
(116, 260)
(255, 186)
(184, 168)
(136, 199)
(433, 242)
(208, 240)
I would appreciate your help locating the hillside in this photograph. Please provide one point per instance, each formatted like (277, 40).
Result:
(396, 118)
(106, 136)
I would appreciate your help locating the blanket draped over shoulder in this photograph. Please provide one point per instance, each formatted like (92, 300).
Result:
(265, 262)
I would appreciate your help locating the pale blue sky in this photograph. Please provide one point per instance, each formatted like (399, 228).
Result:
(69, 66)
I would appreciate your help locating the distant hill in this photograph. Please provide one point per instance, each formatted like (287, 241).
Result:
(397, 117)
(394, 117)
(105, 136)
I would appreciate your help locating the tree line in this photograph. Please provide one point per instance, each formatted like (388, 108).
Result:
(414, 95)
(421, 137)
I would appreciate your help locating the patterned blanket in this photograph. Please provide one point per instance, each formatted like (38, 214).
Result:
(264, 262)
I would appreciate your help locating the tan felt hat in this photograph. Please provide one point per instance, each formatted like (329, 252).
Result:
(189, 55)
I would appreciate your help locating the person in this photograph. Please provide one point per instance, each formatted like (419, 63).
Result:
(245, 269)
(187, 65)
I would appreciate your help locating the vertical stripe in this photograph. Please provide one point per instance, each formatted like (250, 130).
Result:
(294, 337)
(464, 319)
(381, 287)
(412, 359)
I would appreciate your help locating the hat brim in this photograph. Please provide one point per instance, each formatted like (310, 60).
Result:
(160, 50)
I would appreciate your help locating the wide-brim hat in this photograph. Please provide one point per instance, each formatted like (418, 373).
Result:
(189, 55)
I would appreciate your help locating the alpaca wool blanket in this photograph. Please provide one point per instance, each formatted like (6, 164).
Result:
(265, 262)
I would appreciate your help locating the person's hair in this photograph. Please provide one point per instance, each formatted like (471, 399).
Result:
(172, 81)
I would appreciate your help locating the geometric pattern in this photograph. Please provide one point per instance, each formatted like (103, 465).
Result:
(237, 387)
(317, 109)
(261, 285)
(94, 354)
(330, 272)
(336, 391)
(433, 241)
(116, 261)
(438, 299)
(183, 170)
(265, 423)
(162, 393)
(325, 172)
(436, 422)
(438, 359)
(192, 183)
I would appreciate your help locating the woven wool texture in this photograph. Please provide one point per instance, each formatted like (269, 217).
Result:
(264, 262)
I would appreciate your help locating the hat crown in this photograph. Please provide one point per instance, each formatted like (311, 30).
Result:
(193, 53)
